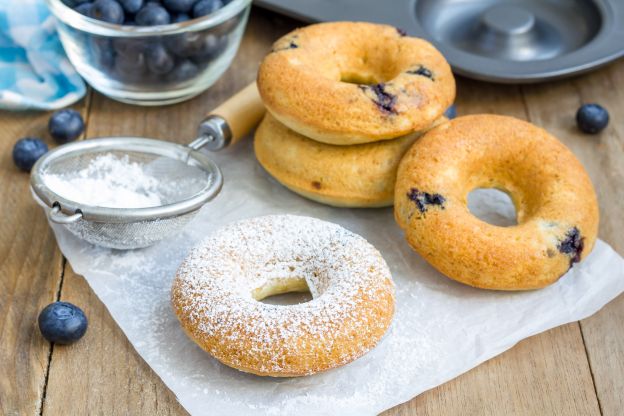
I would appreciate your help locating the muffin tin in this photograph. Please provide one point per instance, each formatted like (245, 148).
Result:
(510, 41)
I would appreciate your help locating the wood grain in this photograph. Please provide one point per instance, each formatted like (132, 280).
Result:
(543, 375)
(30, 274)
(553, 106)
(547, 374)
(102, 374)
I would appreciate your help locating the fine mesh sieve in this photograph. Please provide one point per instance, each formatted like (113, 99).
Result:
(186, 178)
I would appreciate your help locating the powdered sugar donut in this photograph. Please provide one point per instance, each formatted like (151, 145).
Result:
(217, 290)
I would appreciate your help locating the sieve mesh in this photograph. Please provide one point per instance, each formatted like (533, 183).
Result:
(130, 235)
(185, 180)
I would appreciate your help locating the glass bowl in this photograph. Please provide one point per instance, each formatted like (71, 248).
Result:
(152, 65)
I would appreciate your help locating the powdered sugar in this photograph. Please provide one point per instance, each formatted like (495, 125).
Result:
(347, 277)
(108, 181)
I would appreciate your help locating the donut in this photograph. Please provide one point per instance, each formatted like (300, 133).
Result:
(217, 291)
(348, 83)
(358, 176)
(556, 206)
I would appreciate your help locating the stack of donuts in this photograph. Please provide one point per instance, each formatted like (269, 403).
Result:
(345, 102)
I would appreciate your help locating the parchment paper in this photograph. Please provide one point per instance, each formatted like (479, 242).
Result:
(441, 328)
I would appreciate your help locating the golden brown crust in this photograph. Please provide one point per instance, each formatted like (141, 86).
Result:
(397, 84)
(346, 176)
(556, 206)
(352, 307)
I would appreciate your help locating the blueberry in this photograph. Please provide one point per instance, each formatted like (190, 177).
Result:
(27, 151)
(108, 11)
(592, 118)
(205, 7)
(209, 47)
(130, 68)
(74, 3)
(451, 112)
(129, 47)
(180, 17)
(179, 6)
(102, 51)
(66, 125)
(131, 6)
(152, 14)
(62, 323)
(84, 8)
(183, 71)
(158, 60)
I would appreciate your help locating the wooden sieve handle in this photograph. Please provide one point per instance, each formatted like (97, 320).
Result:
(232, 120)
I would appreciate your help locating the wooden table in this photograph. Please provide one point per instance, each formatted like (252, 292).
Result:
(576, 369)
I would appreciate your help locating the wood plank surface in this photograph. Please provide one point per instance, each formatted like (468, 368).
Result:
(547, 374)
(31, 268)
(103, 374)
(576, 369)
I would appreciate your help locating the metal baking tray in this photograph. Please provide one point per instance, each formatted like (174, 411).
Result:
(507, 41)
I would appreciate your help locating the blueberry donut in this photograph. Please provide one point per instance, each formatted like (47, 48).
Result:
(217, 291)
(349, 83)
(556, 206)
(358, 176)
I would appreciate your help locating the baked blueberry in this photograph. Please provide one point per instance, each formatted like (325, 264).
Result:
(158, 60)
(108, 11)
(62, 323)
(451, 112)
(66, 125)
(179, 6)
(84, 8)
(152, 14)
(205, 7)
(183, 71)
(131, 6)
(27, 151)
(592, 118)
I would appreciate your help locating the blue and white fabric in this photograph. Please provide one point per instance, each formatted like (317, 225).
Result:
(34, 71)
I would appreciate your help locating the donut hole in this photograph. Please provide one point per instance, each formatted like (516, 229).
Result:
(286, 291)
(360, 78)
(492, 205)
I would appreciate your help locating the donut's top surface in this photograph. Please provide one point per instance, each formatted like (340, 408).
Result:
(215, 292)
(349, 83)
(556, 206)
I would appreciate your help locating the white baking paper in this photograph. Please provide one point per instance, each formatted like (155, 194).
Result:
(441, 328)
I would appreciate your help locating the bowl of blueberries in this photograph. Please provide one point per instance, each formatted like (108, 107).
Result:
(150, 52)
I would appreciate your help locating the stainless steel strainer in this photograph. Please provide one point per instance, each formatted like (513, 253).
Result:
(187, 180)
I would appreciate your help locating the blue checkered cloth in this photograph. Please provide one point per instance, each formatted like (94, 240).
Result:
(34, 71)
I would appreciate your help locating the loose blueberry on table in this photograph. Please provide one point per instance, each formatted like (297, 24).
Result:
(62, 323)
(66, 125)
(592, 118)
(27, 151)
(177, 58)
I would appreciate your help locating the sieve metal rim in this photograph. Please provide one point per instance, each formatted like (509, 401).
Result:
(125, 215)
